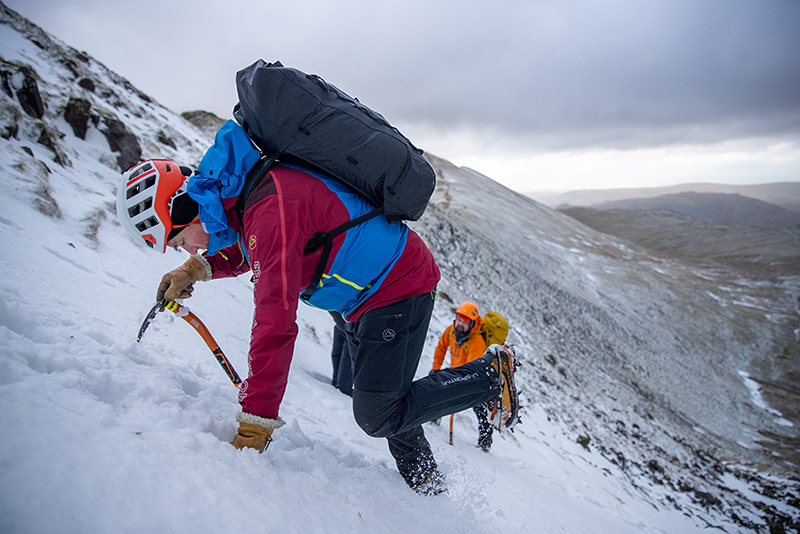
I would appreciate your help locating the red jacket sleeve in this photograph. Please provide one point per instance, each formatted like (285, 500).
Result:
(276, 231)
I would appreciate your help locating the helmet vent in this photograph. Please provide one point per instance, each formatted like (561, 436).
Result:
(142, 206)
(145, 167)
(147, 223)
(147, 183)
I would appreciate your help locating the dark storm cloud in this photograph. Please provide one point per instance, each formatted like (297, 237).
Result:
(565, 73)
(616, 73)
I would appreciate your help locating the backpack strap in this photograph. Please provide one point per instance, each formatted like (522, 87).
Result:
(319, 239)
(252, 179)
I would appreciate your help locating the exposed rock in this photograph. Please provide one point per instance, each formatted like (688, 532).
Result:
(78, 114)
(122, 140)
(21, 79)
(28, 95)
(164, 139)
(71, 66)
(654, 467)
(206, 122)
(5, 79)
(706, 500)
(87, 84)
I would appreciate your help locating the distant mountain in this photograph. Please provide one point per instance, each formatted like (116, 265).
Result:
(731, 209)
(784, 194)
(768, 251)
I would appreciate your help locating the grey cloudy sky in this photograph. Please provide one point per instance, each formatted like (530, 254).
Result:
(543, 94)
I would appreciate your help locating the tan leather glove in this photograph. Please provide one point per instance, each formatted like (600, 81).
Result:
(252, 436)
(179, 283)
(254, 432)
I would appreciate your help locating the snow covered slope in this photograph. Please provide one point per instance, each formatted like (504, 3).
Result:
(648, 405)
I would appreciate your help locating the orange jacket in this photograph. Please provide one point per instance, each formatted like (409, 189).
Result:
(471, 348)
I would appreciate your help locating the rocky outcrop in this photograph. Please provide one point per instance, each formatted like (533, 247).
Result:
(19, 83)
(122, 140)
(204, 121)
(28, 94)
(78, 114)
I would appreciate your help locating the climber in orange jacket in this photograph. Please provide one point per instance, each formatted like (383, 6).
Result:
(464, 341)
(462, 338)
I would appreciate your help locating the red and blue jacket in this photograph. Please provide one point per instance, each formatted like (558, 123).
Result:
(371, 265)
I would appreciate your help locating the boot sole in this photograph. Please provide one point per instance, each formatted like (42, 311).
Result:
(509, 399)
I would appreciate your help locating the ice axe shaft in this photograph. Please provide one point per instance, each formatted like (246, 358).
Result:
(198, 325)
(451, 427)
(201, 329)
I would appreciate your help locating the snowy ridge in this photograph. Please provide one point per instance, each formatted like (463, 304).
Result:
(101, 434)
(616, 358)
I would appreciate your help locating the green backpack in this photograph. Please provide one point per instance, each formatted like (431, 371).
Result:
(494, 329)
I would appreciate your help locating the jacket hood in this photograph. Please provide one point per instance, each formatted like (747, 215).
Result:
(220, 177)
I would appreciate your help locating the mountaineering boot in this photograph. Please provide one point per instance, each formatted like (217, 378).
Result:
(485, 438)
(432, 484)
(505, 409)
(415, 461)
(485, 428)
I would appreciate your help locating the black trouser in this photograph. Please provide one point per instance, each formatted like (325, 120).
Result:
(340, 357)
(386, 345)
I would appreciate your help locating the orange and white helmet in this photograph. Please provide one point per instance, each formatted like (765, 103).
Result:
(144, 200)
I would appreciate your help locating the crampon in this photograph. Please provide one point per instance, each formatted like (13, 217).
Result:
(504, 410)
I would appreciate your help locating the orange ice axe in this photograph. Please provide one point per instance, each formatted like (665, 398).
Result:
(201, 329)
